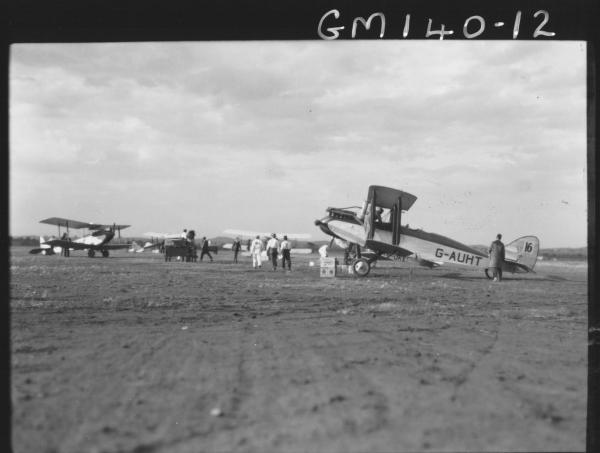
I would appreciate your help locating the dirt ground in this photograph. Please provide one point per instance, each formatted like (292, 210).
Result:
(132, 354)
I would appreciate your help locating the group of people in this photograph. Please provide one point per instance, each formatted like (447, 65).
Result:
(190, 237)
(274, 248)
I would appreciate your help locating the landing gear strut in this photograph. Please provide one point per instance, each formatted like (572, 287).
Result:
(351, 253)
(91, 253)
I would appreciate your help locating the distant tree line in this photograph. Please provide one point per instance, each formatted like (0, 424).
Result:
(30, 241)
(574, 254)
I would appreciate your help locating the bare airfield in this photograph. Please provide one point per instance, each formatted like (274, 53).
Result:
(132, 354)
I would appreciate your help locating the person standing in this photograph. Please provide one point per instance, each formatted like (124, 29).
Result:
(205, 249)
(496, 252)
(255, 251)
(236, 247)
(190, 235)
(323, 251)
(273, 250)
(286, 248)
(66, 250)
(191, 245)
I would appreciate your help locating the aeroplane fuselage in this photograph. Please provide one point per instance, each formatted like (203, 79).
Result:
(429, 245)
(97, 238)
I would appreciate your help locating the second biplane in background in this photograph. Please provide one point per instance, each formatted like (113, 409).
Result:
(96, 241)
(157, 240)
(376, 226)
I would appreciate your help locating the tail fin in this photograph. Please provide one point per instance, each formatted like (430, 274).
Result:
(523, 251)
(42, 240)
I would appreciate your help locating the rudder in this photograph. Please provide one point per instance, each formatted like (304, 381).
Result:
(523, 251)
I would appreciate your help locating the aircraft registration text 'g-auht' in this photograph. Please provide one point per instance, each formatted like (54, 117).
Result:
(97, 241)
(377, 227)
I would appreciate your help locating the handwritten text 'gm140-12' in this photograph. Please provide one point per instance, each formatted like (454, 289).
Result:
(473, 27)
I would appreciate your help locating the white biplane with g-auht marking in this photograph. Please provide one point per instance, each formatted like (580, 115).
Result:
(376, 227)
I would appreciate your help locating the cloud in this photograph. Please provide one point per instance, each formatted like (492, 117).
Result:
(212, 124)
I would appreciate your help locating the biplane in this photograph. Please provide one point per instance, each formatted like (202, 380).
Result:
(376, 227)
(96, 241)
(157, 240)
(298, 248)
(160, 241)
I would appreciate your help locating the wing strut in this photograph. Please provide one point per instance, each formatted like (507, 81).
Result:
(396, 221)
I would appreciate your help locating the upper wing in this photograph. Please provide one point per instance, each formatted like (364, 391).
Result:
(386, 197)
(152, 234)
(245, 234)
(68, 223)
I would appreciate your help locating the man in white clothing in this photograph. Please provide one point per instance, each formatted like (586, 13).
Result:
(255, 251)
(323, 251)
(273, 250)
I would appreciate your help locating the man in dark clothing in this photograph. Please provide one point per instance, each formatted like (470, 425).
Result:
(236, 247)
(496, 252)
(191, 244)
(66, 250)
(190, 235)
(205, 250)
(285, 248)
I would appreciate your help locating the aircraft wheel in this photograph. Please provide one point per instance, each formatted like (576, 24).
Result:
(487, 274)
(361, 267)
(105, 253)
(91, 253)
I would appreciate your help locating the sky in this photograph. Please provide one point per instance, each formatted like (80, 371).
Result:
(264, 136)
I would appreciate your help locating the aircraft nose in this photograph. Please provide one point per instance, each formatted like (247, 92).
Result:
(323, 226)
